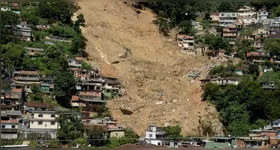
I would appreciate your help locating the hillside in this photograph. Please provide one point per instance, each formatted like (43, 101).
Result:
(152, 64)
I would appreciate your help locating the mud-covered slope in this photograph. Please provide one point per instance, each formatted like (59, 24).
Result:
(128, 45)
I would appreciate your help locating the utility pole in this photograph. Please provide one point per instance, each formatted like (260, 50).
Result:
(0, 83)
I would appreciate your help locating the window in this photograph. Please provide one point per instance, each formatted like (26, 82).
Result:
(32, 122)
(32, 51)
(40, 122)
(52, 123)
(150, 135)
(53, 115)
(40, 115)
(13, 126)
(3, 126)
(46, 125)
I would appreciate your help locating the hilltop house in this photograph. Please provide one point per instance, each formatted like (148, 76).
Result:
(42, 27)
(39, 119)
(185, 41)
(58, 39)
(9, 124)
(215, 17)
(111, 88)
(26, 76)
(275, 25)
(24, 32)
(262, 15)
(230, 31)
(30, 51)
(155, 135)
(227, 18)
(257, 57)
(247, 15)
(46, 84)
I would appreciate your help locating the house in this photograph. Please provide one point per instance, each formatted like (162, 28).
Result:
(227, 18)
(24, 32)
(275, 25)
(7, 102)
(240, 70)
(46, 84)
(215, 17)
(9, 124)
(247, 15)
(93, 85)
(39, 122)
(225, 81)
(185, 41)
(155, 135)
(75, 64)
(29, 106)
(111, 88)
(58, 39)
(31, 51)
(274, 125)
(88, 100)
(218, 142)
(201, 49)
(262, 15)
(17, 93)
(5, 8)
(114, 131)
(197, 25)
(230, 31)
(42, 27)
(257, 57)
(26, 76)
(252, 142)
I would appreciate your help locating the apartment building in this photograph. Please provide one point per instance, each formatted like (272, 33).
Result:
(9, 124)
(262, 15)
(275, 25)
(39, 120)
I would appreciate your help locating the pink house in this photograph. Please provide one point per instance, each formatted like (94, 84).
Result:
(215, 16)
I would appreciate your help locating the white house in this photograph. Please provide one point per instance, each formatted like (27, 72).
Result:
(225, 81)
(275, 125)
(247, 15)
(5, 8)
(9, 124)
(155, 135)
(40, 122)
(227, 18)
(262, 15)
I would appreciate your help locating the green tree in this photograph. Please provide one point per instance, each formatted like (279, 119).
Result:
(173, 132)
(7, 33)
(12, 55)
(64, 87)
(71, 128)
(272, 46)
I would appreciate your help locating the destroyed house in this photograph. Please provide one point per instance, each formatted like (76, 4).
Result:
(185, 41)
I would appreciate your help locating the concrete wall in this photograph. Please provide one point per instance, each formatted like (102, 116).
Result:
(117, 134)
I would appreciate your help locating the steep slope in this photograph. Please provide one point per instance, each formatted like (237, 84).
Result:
(127, 45)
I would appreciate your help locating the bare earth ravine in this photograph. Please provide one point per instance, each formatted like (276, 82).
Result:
(154, 64)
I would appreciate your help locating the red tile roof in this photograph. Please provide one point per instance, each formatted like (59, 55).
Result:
(39, 105)
(9, 121)
(184, 36)
(97, 94)
(17, 90)
(75, 98)
(29, 72)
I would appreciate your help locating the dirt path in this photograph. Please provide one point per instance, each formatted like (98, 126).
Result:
(154, 64)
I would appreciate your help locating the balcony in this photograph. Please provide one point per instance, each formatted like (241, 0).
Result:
(229, 34)
(27, 78)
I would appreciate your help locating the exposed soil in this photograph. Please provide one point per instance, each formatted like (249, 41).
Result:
(127, 45)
